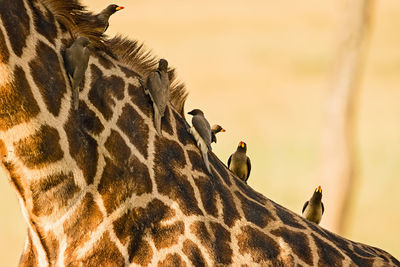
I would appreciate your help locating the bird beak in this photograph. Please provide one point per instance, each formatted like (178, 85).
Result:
(241, 144)
(223, 130)
(119, 8)
(318, 189)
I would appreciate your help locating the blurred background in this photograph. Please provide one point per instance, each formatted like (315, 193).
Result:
(263, 70)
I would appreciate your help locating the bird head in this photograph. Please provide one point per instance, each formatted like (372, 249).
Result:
(242, 146)
(196, 112)
(163, 65)
(317, 196)
(217, 128)
(83, 41)
(318, 189)
(114, 8)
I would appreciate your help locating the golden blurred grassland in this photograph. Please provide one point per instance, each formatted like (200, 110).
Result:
(261, 69)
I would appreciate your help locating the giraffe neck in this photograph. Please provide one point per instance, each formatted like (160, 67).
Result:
(98, 186)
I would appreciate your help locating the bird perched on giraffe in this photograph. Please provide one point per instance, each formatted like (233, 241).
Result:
(214, 130)
(157, 86)
(101, 20)
(314, 208)
(239, 163)
(201, 132)
(76, 62)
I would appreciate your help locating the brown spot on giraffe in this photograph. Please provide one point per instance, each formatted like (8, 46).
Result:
(250, 192)
(82, 147)
(196, 161)
(172, 260)
(121, 181)
(40, 149)
(4, 53)
(30, 256)
(143, 253)
(328, 255)
(56, 189)
(103, 60)
(169, 159)
(80, 224)
(119, 151)
(217, 242)
(220, 168)
(104, 91)
(16, 22)
(140, 99)
(168, 235)
(287, 217)
(182, 130)
(48, 76)
(209, 190)
(44, 22)
(134, 225)
(208, 195)
(135, 128)
(17, 102)
(104, 253)
(262, 248)
(88, 119)
(297, 241)
(128, 72)
(192, 251)
(254, 212)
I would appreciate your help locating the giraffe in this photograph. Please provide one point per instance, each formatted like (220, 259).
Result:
(99, 187)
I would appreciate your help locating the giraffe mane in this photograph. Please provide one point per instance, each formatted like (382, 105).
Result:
(76, 19)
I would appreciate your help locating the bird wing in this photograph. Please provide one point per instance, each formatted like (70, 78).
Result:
(322, 205)
(248, 168)
(203, 128)
(158, 90)
(304, 207)
(229, 161)
(69, 66)
(105, 29)
(213, 138)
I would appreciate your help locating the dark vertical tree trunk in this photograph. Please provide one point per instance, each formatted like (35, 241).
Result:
(339, 172)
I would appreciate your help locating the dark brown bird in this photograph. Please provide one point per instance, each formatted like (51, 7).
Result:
(157, 87)
(101, 19)
(239, 163)
(214, 130)
(201, 132)
(76, 62)
(314, 208)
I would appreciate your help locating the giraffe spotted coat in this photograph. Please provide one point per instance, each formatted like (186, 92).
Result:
(99, 187)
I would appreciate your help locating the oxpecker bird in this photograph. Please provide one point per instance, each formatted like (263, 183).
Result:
(76, 63)
(314, 208)
(239, 163)
(101, 19)
(157, 86)
(201, 132)
(214, 130)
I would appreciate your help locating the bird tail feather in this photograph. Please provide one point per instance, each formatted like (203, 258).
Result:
(75, 95)
(205, 158)
(157, 119)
